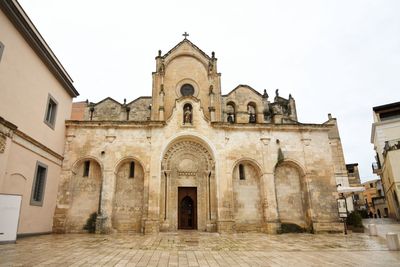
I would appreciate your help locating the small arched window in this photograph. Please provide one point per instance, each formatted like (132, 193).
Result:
(86, 168)
(230, 112)
(251, 110)
(241, 172)
(132, 169)
(187, 114)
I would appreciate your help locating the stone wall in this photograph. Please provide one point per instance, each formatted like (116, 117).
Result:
(85, 195)
(291, 195)
(128, 198)
(248, 211)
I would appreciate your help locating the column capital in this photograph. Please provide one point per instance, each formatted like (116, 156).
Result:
(265, 140)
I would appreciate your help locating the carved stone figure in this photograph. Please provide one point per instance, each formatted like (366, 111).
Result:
(187, 116)
(162, 68)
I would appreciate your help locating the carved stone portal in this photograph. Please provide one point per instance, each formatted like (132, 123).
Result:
(188, 164)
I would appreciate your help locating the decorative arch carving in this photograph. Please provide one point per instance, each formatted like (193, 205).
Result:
(185, 147)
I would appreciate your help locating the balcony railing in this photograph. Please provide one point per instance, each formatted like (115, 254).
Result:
(378, 200)
(376, 168)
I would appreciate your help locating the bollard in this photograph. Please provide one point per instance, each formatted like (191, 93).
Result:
(393, 241)
(372, 229)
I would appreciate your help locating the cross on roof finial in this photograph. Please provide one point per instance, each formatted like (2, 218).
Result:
(185, 35)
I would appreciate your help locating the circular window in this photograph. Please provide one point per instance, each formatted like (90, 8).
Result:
(187, 90)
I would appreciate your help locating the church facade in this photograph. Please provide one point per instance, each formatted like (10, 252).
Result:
(189, 157)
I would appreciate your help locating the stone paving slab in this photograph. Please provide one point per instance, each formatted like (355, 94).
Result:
(191, 248)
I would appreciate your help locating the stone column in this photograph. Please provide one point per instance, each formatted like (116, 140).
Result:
(225, 222)
(166, 175)
(212, 108)
(211, 226)
(161, 108)
(270, 205)
(103, 223)
(152, 222)
(308, 155)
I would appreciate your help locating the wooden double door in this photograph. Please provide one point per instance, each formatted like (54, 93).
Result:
(187, 208)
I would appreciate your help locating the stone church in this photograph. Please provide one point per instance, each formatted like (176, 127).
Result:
(189, 157)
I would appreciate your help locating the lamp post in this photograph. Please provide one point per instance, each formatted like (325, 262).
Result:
(342, 210)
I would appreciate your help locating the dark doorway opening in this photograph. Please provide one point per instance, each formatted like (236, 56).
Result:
(187, 208)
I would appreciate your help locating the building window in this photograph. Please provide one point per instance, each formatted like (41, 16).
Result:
(39, 183)
(241, 172)
(51, 112)
(187, 90)
(371, 185)
(132, 169)
(86, 168)
(1, 49)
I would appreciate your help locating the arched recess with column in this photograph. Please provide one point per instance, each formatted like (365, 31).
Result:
(85, 188)
(292, 195)
(188, 169)
(128, 202)
(247, 196)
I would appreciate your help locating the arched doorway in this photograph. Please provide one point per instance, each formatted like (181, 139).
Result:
(187, 208)
(188, 170)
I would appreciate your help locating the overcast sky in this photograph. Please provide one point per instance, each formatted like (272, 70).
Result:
(339, 57)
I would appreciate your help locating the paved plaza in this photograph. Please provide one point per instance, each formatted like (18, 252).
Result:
(192, 248)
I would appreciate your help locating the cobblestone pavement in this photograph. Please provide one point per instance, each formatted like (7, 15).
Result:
(199, 249)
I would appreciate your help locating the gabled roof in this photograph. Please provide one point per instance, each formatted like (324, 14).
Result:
(137, 99)
(246, 86)
(191, 44)
(105, 99)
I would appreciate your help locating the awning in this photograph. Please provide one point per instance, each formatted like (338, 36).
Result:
(350, 189)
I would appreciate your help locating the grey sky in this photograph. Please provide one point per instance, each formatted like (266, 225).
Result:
(339, 57)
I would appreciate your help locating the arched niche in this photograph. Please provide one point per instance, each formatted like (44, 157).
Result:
(291, 194)
(252, 111)
(231, 112)
(128, 199)
(85, 193)
(188, 163)
(247, 196)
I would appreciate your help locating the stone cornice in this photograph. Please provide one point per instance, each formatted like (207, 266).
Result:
(28, 142)
(22, 22)
(114, 124)
(271, 126)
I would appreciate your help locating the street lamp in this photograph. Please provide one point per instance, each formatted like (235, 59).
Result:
(342, 209)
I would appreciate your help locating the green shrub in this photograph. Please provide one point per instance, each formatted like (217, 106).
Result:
(291, 228)
(354, 219)
(364, 214)
(91, 223)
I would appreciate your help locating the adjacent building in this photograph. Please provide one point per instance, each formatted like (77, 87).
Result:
(35, 100)
(385, 136)
(374, 199)
(356, 189)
